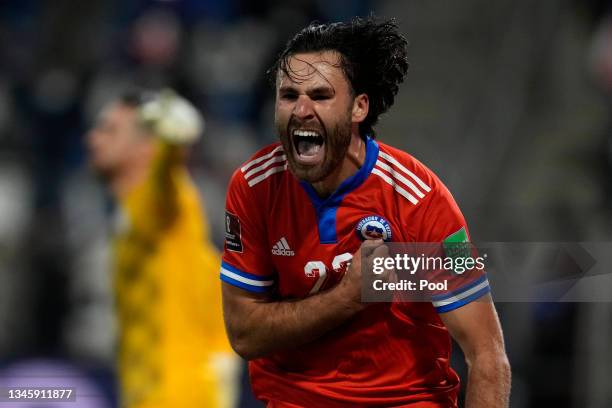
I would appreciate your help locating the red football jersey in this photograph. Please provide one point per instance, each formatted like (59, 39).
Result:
(282, 238)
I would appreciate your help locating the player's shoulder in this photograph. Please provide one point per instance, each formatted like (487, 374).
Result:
(406, 174)
(400, 158)
(261, 166)
(414, 177)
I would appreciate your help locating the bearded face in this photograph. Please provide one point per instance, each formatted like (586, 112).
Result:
(313, 114)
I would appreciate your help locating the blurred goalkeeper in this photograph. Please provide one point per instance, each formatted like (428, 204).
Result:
(172, 350)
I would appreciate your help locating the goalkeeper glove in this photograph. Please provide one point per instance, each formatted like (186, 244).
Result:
(172, 118)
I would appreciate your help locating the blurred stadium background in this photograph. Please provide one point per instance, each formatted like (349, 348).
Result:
(508, 101)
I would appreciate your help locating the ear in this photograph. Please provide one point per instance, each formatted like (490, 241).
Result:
(361, 106)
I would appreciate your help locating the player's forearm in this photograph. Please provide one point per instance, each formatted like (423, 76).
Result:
(489, 380)
(264, 327)
(168, 157)
(163, 198)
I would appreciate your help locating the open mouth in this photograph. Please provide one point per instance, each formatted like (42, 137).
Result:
(309, 145)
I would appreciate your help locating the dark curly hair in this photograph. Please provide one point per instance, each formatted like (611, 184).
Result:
(373, 56)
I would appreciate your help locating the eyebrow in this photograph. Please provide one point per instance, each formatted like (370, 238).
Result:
(317, 90)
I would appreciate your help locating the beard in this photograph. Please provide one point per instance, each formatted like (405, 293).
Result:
(336, 143)
(103, 171)
(102, 175)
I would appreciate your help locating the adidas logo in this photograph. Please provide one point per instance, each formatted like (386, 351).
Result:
(282, 248)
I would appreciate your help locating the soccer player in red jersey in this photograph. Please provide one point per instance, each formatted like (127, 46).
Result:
(298, 211)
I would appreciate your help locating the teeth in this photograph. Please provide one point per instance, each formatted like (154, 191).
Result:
(305, 133)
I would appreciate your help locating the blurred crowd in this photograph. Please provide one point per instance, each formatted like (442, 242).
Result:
(510, 103)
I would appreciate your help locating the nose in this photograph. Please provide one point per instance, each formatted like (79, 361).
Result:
(303, 108)
(92, 138)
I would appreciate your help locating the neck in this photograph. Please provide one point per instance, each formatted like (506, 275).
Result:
(127, 179)
(354, 159)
